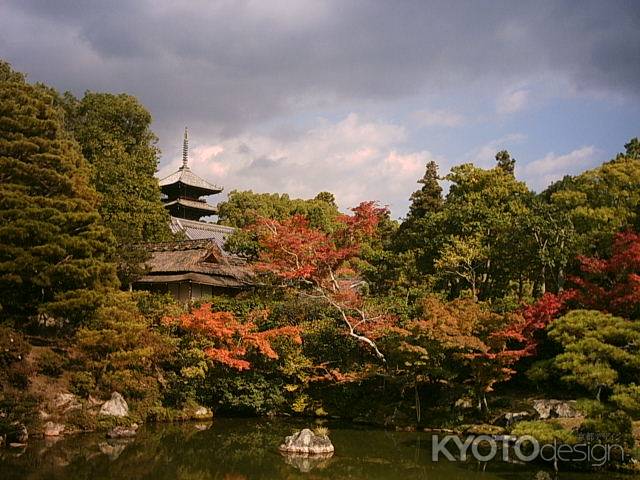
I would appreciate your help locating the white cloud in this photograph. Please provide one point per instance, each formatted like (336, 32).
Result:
(485, 155)
(544, 171)
(438, 118)
(355, 158)
(513, 101)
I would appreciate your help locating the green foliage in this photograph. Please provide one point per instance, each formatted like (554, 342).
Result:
(505, 162)
(13, 347)
(600, 350)
(115, 136)
(600, 202)
(611, 427)
(591, 408)
(249, 393)
(82, 383)
(53, 248)
(627, 398)
(242, 209)
(544, 431)
(124, 350)
(51, 363)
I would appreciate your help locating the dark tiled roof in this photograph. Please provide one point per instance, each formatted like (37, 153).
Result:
(194, 204)
(202, 257)
(195, 230)
(185, 176)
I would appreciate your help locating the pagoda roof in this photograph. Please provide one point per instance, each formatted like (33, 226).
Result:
(201, 206)
(186, 177)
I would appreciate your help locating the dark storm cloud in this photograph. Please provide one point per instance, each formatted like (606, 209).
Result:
(233, 64)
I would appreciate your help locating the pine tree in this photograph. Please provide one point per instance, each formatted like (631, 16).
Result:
(53, 246)
(505, 162)
(429, 198)
(632, 149)
(412, 251)
(114, 134)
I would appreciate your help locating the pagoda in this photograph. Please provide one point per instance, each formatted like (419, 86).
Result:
(183, 190)
(197, 266)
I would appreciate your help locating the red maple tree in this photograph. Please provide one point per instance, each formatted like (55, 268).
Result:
(609, 285)
(233, 340)
(319, 264)
(612, 285)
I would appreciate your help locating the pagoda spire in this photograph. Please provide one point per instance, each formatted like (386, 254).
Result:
(185, 149)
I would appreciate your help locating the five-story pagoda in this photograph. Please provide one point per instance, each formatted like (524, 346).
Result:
(184, 189)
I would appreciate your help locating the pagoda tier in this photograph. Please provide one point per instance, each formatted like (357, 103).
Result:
(183, 189)
(189, 209)
(185, 183)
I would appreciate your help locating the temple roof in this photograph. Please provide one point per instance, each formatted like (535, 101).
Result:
(195, 230)
(199, 261)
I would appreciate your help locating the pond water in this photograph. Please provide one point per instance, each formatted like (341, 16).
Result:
(238, 449)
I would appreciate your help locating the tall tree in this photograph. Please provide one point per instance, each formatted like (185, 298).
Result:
(242, 209)
(53, 245)
(482, 217)
(601, 201)
(505, 162)
(429, 198)
(322, 265)
(115, 136)
(413, 249)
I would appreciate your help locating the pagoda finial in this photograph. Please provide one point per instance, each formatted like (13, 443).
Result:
(185, 149)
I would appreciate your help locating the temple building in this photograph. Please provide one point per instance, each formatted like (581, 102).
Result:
(197, 266)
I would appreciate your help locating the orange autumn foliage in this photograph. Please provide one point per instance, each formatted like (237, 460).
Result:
(233, 340)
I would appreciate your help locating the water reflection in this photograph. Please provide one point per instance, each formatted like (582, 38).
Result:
(238, 449)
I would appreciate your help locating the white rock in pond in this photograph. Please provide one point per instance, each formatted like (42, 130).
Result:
(307, 442)
(115, 407)
(202, 413)
(52, 429)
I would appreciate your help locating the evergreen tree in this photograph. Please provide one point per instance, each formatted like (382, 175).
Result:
(633, 149)
(429, 198)
(413, 250)
(327, 197)
(53, 246)
(115, 136)
(505, 162)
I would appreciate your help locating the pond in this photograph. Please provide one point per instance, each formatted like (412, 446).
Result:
(238, 449)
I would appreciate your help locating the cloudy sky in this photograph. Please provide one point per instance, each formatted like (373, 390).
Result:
(350, 96)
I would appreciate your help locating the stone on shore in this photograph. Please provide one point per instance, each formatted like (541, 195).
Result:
(202, 413)
(115, 407)
(556, 409)
(52, 429)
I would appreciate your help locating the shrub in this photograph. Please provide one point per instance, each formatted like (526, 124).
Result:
(13, 347)
(627, 398)
(51, 363)
(249, 393)
(544, 432)
(18, 375)
(591, 408)
(612, 427)
(82, 383)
